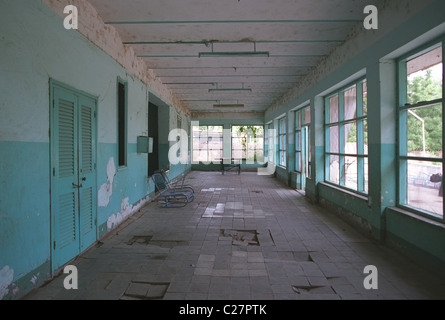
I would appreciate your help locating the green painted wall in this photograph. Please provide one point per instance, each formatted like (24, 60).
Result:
(373, 54)
(35, 47)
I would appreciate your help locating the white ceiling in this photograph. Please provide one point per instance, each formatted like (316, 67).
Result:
(170, 35)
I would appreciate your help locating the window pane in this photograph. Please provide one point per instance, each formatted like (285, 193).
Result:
(237, 143)
(257, 144)
(365, 176)
(424, 127)
(283, 126)
(334, 172)
(297, 120)
(297, 141)
(350, 172)
(333, 137)
(307, 115)
(215, 129)
(422, 192)
(238, 154)
(215, 142)
(333, 109)
(200, 155)
(259, 156)
(282, 155)
(350, 130)
(298, 161)
(365, 136)
(365, 98)
(425, 77)
(350, 103)
(215, 155)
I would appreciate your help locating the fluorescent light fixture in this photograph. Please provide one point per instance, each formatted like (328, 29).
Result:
(228, 106)
(231, 90)
(235, 54)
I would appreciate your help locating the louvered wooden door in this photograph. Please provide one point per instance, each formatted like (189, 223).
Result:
(73, 183)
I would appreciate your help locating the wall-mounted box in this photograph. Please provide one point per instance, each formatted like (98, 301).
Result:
(144, 144)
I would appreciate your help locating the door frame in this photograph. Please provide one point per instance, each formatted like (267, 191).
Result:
(52, 163)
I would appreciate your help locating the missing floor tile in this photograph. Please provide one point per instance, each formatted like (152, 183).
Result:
(145, 290)
(241, 237)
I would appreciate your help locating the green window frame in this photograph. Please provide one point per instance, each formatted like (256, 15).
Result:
(346, 143)
(420, 130)
(282, 142)
(122, 122)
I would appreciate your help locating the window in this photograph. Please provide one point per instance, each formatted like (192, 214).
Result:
(421, 131)
(270, 142)
(122, 122)
(282, 142)
(207, 143)
(346, 137)
(248, 143)
(302, 141)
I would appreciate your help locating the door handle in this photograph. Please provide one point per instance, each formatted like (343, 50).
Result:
(76, 186)
(84, 178)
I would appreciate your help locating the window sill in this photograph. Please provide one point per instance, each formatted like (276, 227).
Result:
(346, 191)
(122, 168)
(418, 216)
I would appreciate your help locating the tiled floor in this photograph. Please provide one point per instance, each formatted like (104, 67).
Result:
(244, 237)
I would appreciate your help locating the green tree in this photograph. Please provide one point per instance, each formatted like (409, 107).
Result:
(245, 131)
(425, 88)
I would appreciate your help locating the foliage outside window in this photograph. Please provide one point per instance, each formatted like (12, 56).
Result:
(421, 131)
(346, 137)
(282, 142)
(248, 143)
(207, 143)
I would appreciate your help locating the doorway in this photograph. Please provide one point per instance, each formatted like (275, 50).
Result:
(153, 120)
(73, 173)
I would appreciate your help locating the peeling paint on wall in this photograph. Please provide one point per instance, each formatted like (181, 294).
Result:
(34, 279)
(108, 39)
(6, 277)
(106, 189)
(126, 211)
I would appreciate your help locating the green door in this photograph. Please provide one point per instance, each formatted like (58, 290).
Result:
(87, 172)
(73, 180)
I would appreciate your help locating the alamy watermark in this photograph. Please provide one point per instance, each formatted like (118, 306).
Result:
(71, 21)
(178, 151)
(71, 280)
(371, 280)
(372, 19)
